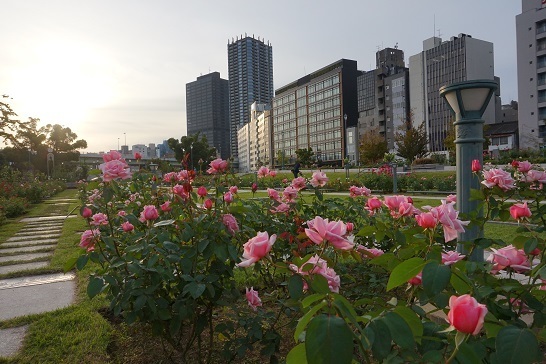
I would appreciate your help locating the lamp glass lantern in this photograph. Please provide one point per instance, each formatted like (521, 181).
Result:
(468, 100)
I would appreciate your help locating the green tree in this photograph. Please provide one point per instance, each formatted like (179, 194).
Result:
(306, 156)
(9, 127)
(411, 142)
(192, 148)
(373, 147)
(64, 142)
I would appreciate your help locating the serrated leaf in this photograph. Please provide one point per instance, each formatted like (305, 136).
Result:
(400, 331)
(69, 264)
(95, 286)
(309, 300)
(413, 321)
(295, 286)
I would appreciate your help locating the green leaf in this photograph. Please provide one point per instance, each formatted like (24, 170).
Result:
(435, 278)
(69, 264)
(413, 321)
(82, 261)
(95, 286)
(530, 245)
(460, 282)
(400, 331)
(297, 355)
(366, 231)
(295, 286)
(404, 272)
(195, 289)
(139, 303)
(381, 347)
(516, 345)
(302, 323)
(467, 355)
(319, 284)
(329, 340)
(307, 301)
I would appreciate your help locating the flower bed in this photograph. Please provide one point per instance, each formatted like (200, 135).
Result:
(350, 277)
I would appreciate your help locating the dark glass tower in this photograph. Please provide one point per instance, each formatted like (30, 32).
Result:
(250, 73)
(207, 110)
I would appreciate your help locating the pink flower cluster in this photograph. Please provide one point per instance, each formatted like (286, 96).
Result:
(318, 266)
(498, 177)
(229, 221)
(114, 166)
(89, 238)
(355, 191)
(446, 215)
(218, 166)
(509, 257)
(400, 205)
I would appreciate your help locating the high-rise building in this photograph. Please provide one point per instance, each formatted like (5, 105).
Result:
(383, 96)
(462, 58)
(255, 139)
(531, 51)
(250, 73)
(207, 111)
(310, 112)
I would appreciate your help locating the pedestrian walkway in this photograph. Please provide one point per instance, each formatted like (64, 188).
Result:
(30, 293)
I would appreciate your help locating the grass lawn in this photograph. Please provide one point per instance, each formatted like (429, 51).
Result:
(83, 333)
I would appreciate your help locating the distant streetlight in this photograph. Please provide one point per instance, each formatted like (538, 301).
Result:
(468, 100)
(191, 156)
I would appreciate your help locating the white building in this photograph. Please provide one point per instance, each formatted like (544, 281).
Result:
(531, 53)
(254, 139)
(462, 58)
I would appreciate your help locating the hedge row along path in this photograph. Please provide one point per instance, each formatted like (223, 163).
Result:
(31, 248)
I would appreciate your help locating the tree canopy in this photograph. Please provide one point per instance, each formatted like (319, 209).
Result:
(411, 142)
(192, 148)
(306, 156)
(10, 126)
(373, 147)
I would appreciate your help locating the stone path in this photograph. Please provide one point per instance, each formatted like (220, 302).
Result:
(31, 248)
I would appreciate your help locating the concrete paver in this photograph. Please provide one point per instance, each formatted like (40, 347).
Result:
(22, 267)
(25, 249)
(14, 244)
(46, 218)
(34, 233)
(33, 237)
(24, 257)
(11, 340)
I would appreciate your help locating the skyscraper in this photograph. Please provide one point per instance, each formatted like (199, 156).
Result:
(207, 110)
(462, 58)
(250, 72)
(531, 51)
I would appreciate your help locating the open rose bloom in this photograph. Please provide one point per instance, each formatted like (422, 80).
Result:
(256, 248)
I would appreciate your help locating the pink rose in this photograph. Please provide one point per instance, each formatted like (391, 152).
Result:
(426, 220)
(272, 173)
(318, 179)
(319, 266)
(184, 175)
(111, 156)
(230, 223)
(138, 156)
(122, 213)
(289, 194)
(202, 192)
(417, 280)
(99, 219)
(451, 257)
(407, 209)
(89, 238)
(217, 166)
(524, 166)
(451, 198)
(115, 169)
(466, 314)
(127, 226)
(350, 227)
(256, 248)
(498, 177)
(253, 299)
(509, 257)
(536, 176)
(171, 177)
(519, 211)
(179, 190)
(448, 217)
(234, 189)
(282, 208)
(355, 191)
(393, 202)
(334, 232)
(476, 165)
(299, 183)
(148, 214)
(369, 252)
(263, 172)
(373, 204)
(166, 206)
(208, 204)
(87, 212)
(273, 194)
(254, 187)
(228, 197)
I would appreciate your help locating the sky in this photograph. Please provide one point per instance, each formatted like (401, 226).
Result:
(115, 71)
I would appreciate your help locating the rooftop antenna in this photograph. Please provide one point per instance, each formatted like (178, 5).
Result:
(439, 34)
(396, 45)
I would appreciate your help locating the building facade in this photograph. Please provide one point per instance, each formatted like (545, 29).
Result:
(254, 139)
(531, 57)
(310, 112)
(462, 58)
(207, 106)
(250, 73)
(383, 96)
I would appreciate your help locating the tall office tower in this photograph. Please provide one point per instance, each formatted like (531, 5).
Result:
(310, 112)
(531, 51)
(207, 110)
(462, 58)
(250, 71)
(383, 96)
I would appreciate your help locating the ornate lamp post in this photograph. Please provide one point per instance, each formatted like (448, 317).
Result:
(468, 100)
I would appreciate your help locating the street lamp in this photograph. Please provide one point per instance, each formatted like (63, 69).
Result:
(468, 100)
(282, 154)
(191, 156)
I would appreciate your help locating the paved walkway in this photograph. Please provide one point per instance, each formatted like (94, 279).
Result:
(30, 293)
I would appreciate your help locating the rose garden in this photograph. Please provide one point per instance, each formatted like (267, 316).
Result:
(297, 277)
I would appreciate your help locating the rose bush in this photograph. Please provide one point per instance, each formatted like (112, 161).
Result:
(363, 279)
